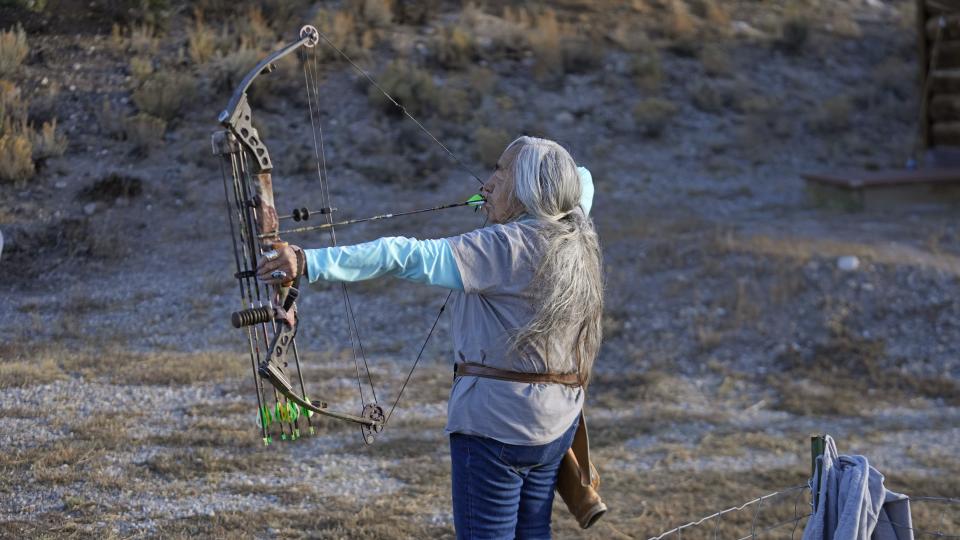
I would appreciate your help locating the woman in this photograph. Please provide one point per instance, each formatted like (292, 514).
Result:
(526, 328)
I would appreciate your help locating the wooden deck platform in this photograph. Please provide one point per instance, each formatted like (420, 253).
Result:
(855, 190)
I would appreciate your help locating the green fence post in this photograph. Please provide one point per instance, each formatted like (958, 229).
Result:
(818, 444)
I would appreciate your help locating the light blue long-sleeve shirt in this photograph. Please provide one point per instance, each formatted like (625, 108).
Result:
(421, 261)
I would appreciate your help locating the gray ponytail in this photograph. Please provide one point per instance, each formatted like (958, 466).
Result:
(568, 283)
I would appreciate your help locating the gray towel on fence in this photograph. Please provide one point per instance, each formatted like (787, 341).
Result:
(853, 504)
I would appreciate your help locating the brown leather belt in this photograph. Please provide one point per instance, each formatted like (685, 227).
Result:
(480, 370)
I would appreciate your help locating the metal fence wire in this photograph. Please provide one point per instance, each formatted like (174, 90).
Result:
(708, 527)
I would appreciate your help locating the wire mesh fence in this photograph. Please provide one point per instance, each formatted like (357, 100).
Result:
(784, 514)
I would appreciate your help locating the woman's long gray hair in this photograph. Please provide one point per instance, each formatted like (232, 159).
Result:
(568, 283)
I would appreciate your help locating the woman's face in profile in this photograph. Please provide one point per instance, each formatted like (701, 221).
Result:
(501, 205)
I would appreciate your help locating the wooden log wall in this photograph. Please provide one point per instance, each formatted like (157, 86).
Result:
(938, 35)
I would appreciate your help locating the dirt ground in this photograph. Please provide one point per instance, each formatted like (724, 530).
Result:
(733, 333)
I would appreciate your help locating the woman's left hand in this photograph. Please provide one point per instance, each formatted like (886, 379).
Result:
(279, 265)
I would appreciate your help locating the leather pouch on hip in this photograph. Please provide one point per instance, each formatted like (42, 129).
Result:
(578, 480)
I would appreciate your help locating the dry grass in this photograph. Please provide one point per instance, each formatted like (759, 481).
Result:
(803, 249)
(581, 55)
(226, 71)
(682, 25)
(545, 42)
(201, 44)
(344, 32)
(842, 372)
(23, 366)
(37, 370)
(47, 142)
(646, 68)
(716, 62)
(489, 143)
(20, 144)
(453, 47)
(653, 115)
(16, 158)
(794, 35)
(372, 14)
(833, 115)
(13, 50)
(144, 131)
(409, 85)
(165, 94)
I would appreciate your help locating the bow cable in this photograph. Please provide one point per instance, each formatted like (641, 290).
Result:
(312, 76)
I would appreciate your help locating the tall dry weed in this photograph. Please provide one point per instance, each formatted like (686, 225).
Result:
(16, 158)
(47, 142)
(13, 50)
(201, 42)
(344, 33)
(682, 24)
(454, 47)
(545, 43)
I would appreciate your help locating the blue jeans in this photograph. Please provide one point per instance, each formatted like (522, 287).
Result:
(504, 490)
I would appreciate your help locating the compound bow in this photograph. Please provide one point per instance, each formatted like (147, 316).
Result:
(269, 313)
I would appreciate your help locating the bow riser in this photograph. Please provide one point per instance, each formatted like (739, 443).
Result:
(260, 307)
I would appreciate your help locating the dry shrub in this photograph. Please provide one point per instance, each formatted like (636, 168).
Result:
(111, 120)
(13, 50)
(410, 86)
(581, 55)
(682, 25)
(165, 93)
(717, 15)
(141, 68)
(47, 143)
(144, 131)
(716, 62)
(137, 38)
(201, 44)
(376, 14)
(545, 43)
(253, 30)
(489, 143)
(653, 115)
(794, 34)
(453, 47)
(646, 69)
(340, 27)
(20, 145)
(629, 35)
(498, 37)
(455, 104)
(833, 115)
(415, 12)
(227, 71)
(895, 75)
(708, 98)
(16, 158)
(482, 80)
(13, 109)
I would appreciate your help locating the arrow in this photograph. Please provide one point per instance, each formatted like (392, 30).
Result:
(475, 201)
